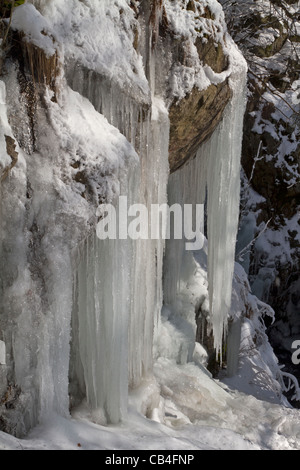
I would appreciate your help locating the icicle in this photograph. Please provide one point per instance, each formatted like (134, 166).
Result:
(223, 184)
(103, 310)
(148, 254)
(120, 109)
(119, 327)
(186, 186)
(217, 167)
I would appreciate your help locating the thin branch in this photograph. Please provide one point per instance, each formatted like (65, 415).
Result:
(274, 92)
(8, 26)
(265, 99)
(253, 240)
(292, 383)
(257, 158)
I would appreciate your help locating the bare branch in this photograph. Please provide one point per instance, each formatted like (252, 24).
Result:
(253, 240)
(8, 26)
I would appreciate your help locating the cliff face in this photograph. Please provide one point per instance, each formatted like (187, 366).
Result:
(269, 229)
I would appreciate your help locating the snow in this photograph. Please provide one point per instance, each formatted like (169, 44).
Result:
(140, 434)
(216, 78)
(295, 92)
(265, 38)
(270, 245)
(200, 414)
(189, 23)
(105, 154)
(206, 21)
(98, 36)
(37, 30)
(252, 366)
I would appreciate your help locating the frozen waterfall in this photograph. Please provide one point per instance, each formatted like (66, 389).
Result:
(62, 282)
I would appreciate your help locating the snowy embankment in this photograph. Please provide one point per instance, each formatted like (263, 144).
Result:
(230, 421)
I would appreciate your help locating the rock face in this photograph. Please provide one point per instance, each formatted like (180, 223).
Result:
(11, 151)
(270, 223)
(193, 120)
(271, 149)
(195, 115)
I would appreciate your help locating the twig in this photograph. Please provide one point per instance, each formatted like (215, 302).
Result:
(8, 26)
(274, 92)
(254, 239)
(292, 383)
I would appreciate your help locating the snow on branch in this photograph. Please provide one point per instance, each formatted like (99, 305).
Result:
(292, 382)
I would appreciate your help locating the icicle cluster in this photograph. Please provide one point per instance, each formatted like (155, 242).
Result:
(217, 168)
(118, 296)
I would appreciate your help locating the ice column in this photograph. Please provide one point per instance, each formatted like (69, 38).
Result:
(186, 186)
(103, 309)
